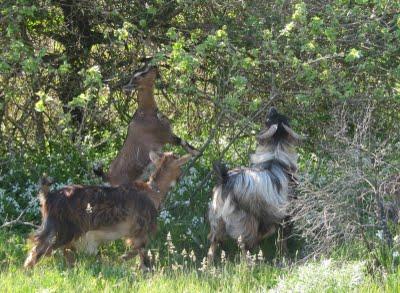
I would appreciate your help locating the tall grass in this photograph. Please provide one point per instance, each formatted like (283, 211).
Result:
(175, 271)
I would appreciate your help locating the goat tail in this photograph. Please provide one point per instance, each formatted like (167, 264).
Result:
(98, 171)
(45, 184)
(221, 172)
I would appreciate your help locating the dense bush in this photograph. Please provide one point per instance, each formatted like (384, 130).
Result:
(222, 64)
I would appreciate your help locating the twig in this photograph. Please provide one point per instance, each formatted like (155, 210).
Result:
(243, 128)
(19, 221)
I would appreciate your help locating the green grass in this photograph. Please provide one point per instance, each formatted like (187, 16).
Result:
(174, 273)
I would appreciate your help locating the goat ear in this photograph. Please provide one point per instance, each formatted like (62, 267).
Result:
(154, 157)
(268, 133)
(182, 160)
(292, 133)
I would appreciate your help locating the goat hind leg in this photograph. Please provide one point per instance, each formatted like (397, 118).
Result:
(42, 248)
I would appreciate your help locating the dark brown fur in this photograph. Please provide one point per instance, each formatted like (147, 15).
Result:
(72, 211)
(128, 211)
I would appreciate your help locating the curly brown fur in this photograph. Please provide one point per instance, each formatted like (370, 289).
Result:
(100, 213)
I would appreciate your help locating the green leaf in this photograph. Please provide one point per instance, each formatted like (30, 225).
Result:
(353, 55)
(79, 101)
(151, 10)
(143, 23)
(39, 106)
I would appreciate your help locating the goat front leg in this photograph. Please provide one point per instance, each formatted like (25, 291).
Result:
(128, 255)
(265, 233)
(137, 244)
(144, 260)
(69, 257)
(130, 242)
(212, 250)
(176, 140)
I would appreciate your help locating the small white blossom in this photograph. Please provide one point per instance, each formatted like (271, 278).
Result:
(204, 265)
(379, 234)
(192, 256)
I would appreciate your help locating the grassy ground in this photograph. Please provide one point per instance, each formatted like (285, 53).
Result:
(177, 273)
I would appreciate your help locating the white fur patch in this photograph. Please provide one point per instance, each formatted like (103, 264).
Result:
(90, 242)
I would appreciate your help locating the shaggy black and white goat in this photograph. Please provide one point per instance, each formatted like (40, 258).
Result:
(250, 203)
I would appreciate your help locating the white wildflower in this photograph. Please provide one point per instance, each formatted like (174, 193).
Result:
(379, 234)
(192, 256)
(170, 244)
(204, 264)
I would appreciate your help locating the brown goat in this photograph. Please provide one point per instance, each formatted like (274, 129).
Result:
(148, 131)
(101, 213)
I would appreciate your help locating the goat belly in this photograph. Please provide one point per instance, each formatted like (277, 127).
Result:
(90, 241)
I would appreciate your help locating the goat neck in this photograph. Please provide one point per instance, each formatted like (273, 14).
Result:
(146, 100)
(282, 151)
(159, 183)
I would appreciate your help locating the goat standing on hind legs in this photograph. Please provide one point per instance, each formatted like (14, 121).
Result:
(99, 214)
(148, 131)
(251, 203)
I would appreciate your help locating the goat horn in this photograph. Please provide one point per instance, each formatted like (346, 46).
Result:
(269, 133)
(292, 133)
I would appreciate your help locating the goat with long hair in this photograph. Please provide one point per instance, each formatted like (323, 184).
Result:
(248, 204)
(97, 214)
